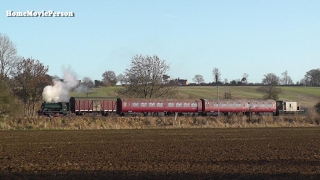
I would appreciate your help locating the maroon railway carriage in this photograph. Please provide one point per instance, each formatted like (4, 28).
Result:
(212, 107)
(92, 105)
(158, 106)
(262, 106)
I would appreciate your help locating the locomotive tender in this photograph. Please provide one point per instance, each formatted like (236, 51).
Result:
(162, 107)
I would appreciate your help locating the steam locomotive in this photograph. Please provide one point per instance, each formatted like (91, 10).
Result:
(164, 107)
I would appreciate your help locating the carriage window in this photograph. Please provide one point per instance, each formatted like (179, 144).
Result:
(152, 104)
(135, 104)
(255, 104)
(269, 105)
(186, 104)
(194, 105)
(178, 104)
(216, 104)
(171, 104)
(224, 104)
(262, 105)
(238, 104)
(159, 104)
(124, 104)
(143, 104)
(231, 104)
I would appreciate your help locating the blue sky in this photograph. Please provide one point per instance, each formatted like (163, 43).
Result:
(237, 36)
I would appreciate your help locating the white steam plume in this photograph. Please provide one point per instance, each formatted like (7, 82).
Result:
(59, 92)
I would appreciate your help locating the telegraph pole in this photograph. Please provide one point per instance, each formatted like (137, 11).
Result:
(218, 102)
(216, 76)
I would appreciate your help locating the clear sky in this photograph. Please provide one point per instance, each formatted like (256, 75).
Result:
(237, 36)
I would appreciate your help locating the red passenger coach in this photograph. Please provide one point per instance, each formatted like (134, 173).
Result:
(94, 105)
(213, 107)
(158, 106)
(262, 106)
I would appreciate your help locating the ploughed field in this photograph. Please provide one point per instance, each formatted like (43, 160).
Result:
(264, 153)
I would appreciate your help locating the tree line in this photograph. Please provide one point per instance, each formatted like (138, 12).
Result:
(311, 78)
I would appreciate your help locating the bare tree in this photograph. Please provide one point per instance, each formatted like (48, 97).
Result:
(121, 78)
(145, 78)
(286, 79)
(216, 75)
(236, 82)
(29, 79)
(109, 78)
(198, 78)
(312, 77)
(269, 88)
(302, 82)
(8, 56)
(270, 79)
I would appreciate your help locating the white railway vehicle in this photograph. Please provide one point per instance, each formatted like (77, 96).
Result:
(288, 107)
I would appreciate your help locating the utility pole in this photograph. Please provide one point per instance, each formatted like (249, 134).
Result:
(218, 102)
(216, 76)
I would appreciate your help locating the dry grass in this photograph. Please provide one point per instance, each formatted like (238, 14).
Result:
(116, 122)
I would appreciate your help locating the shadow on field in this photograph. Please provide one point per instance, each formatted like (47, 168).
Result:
(147, 175)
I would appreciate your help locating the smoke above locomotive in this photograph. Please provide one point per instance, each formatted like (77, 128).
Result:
(60, 90)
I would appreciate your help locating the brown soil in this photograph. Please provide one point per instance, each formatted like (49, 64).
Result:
(252, 153)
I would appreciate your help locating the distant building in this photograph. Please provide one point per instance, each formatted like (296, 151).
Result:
(182, 81)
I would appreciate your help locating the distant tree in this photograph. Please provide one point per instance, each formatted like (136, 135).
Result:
(286, 79)
(298, 83)
(244, 78)
(29, 79)
(87, 82)
(233, 82)
(312, 77)
(98, 83)
(198, 79)
(303, 82)
(269, 88)
(8, 56)
(216, 75)
(109, 78)
(145, 78)
(121, 78)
